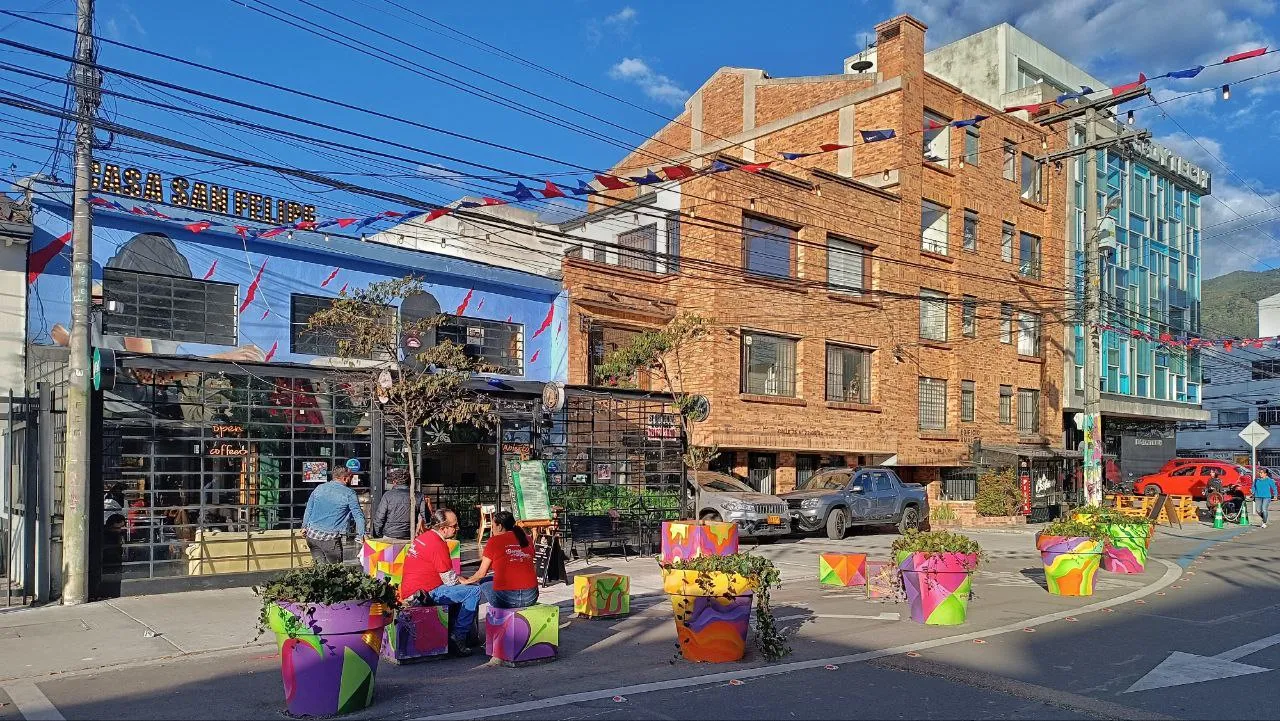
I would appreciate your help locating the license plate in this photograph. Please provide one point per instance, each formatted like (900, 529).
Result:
(775, 520)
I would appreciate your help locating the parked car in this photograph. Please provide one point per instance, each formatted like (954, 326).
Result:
(1189, 476)
(721, 497)
(837, 498)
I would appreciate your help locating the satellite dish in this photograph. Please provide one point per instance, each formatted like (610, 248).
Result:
(860, 66)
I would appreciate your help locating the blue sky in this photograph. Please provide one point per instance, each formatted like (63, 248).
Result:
(650, 54)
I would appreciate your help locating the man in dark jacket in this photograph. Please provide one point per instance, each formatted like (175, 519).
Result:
(391, 519)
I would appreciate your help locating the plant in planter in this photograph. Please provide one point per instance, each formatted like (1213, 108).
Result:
(711, 597)
(1128, 536)
(1071, 550)
(936, 569)
(328, 622)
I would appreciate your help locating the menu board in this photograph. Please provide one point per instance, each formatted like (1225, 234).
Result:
(527, 481)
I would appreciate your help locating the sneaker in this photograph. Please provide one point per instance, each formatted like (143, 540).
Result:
(1264, 524)
(459, 647)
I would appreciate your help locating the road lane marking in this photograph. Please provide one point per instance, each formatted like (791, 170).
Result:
(31, 702)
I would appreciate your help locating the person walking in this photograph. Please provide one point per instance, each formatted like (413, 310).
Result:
(391, 518)
(510, 553)
(1264, 489)
(428, 570)
(331, 507)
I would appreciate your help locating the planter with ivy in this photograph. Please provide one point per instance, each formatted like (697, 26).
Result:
(1128, 538)
(328, 622)
(936, 568)
(712, 596)
(1071, 551)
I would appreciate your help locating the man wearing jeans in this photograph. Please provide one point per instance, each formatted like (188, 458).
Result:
(428, 569)
(1264, 489)
(331, 506)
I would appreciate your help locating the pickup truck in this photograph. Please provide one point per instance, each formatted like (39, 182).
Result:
(837, 498)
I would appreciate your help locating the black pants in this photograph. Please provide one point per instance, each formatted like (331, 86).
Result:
(329, 551)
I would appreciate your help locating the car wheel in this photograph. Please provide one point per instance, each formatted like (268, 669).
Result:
(910, 520)
(837, 524)
(709, 516)
(1151, 489)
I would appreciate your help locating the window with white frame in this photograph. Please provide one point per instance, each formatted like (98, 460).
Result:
(1031, 178)
(1028, 255)
(966, 401)
(1006, 404)
(937, 139)
(969, 316)
(1028, 334)
(1006, 242)
(971, 230)
(768, 365)
(848, 265)
(1010, 159)
(933, 404)
(933, 227)
(848, 374)
(1006, 323)
(933, 315)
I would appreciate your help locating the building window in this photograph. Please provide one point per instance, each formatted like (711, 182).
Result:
(933, 227)
(933, 315)
(1233, 417)
(1010, 159)
(933, 404)
(1269, 415)
(966, 401)
(673, 242)
(1262, 370)
(497, 343)
(1028, 334)
(969, 316)
(1031, 178)
(1006, 242)
(302, 340)
(639, 248)
(1029, 255)
(937, 139)
(848, 374)
(971, 230)
(1028, 412)
(767, 247)
(1006, 323)
(169, 308)
(848, 266)
(1006, 404)
(971, 145)
(768, 365)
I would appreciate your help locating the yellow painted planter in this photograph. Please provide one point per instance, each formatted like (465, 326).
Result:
(685, 583)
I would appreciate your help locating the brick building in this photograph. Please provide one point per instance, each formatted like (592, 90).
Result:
(886, 303)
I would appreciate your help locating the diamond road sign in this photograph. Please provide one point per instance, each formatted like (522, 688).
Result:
(1253, 434)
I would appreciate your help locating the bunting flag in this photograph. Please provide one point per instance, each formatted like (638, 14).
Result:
(437, 213)
(1184, 341)
(648, 178)
(1122, 89)
(1084, 90)
(583, 188)
(829, 147)
(40, 259)
(551, 191)
(970, 121)
(1184, 74)
(677, 172)
(198, 227)
(797, 156)
(719, 166)
(520, 193)
(754, 167)
(1032, 108)
(875, 136)
(610, 183)
(1256, 52)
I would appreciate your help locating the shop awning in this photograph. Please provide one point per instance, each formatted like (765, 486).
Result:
(1030, 451)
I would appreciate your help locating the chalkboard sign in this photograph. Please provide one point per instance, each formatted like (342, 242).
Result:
(527, 481)
(1164, 505)
(548, 560)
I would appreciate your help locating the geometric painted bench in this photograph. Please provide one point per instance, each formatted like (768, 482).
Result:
(842, 569)
(419, 632)
(519, 636)
(601, 595)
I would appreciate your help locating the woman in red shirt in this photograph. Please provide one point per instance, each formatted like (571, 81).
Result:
(510, 554)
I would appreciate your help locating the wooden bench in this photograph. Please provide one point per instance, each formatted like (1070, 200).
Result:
(591, 530)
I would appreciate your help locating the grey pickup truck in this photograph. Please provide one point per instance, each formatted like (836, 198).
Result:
(837, 498)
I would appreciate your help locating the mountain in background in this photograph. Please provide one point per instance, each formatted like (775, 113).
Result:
(1229, 303)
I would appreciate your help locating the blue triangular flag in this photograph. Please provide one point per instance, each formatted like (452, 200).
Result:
(1185, 74)
(719, 166)
(796, 156)
(582, 189)
(971, 121)
(648, 178)
(521, 192)
(873, 136)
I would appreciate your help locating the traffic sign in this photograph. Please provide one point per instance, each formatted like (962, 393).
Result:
(1254, 434)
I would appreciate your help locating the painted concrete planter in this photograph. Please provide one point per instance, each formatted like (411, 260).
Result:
(1127, 551)
(937, 586)
(518, 636)
(682, 540)
(417, 632)
(711, 622)
(601, 595)
(1070, 563)
(328, 654)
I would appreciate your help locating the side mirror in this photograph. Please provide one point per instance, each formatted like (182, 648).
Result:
(856, 488)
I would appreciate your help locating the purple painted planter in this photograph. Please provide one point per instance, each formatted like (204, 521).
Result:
(328, 654)
(937, 586)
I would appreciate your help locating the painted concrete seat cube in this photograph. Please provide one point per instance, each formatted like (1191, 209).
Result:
(842, 569)
(417, 632)
(601, 595)
(682, 540)
(515, 636)
(384, 558)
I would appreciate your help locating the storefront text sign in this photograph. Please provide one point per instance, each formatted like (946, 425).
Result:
(662, 425)
(199, 195)
(228, 450)
(224, 431)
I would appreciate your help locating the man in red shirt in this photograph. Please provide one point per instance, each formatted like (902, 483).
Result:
(429, 570)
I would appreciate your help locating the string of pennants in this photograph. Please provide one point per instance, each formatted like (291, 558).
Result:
(1182, 341)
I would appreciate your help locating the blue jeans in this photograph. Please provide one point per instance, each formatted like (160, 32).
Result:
(1262, 506)
(468, 600)
(520, 598)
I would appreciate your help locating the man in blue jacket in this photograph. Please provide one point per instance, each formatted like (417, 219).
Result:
(1264, 489)
(331, 507)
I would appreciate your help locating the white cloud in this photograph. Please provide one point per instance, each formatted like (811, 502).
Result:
(619, 23)
(625, 16)
(655, 85)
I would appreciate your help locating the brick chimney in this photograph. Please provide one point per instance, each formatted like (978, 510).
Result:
(900, 48)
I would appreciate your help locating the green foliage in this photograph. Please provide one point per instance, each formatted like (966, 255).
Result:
(999, 493)
(1075, 528)
(935, 542)
(942, 512)
(770, 640)
(325, 584)
(1229, 304)
(602, 498)
(1105, 516)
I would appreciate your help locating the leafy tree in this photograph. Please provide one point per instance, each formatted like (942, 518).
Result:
(421, 389)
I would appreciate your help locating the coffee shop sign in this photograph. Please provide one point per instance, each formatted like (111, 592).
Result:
(198, 195)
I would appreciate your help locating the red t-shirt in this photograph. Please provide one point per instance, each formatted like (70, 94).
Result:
(512, 563)
(427, 558)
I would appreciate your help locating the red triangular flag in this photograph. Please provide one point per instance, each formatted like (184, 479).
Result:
(241, 230)
(437, 213)
(828, 147)
(391, 214)
(271, 233)
(551, 191)
(492, 201)
(755, 167)
(1029, 108)
(344, 222)
(1257, 343)
(1122, 89)
(306, 225)
(198, 226)
(1245, 55)
(610, 183)
(1226, 345)
(676, 172)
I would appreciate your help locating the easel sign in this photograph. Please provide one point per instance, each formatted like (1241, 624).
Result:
(1164, 510)
(527, 483)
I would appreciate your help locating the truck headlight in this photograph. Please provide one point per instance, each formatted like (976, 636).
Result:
(737, 506)
(810, 503)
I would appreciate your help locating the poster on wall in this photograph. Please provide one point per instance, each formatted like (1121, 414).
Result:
(315, 472)
(527, 482)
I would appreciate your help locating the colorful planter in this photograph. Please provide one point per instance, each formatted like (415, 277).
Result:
(712, 618)
(328, 654)
(384, 558)
(842, 569)
(417, 632)
(1127, 551)
(1070, 564)
(517, 636)
(601, 595)
(682, 540)
(937, 586)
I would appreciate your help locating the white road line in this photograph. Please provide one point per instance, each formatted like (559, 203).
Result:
(31, 702)
(1172, 572)
(878, 617)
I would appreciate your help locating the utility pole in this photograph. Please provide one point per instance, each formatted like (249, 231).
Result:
(75, 518)
(1092, 448)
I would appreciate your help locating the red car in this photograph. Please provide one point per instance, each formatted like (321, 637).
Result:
(1189, 476)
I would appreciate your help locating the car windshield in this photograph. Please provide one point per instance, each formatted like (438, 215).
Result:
(723, 484)
(825, 482)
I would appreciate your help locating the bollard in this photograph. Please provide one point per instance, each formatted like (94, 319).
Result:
(1218, 521)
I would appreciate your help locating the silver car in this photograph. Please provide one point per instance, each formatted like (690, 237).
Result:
(720, 497)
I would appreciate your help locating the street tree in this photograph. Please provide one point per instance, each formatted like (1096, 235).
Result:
(419, 383)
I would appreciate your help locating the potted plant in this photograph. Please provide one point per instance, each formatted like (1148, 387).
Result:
(711, 597)
(936, 569)
(1128, 537)
(328, 621)
(1071, 550)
